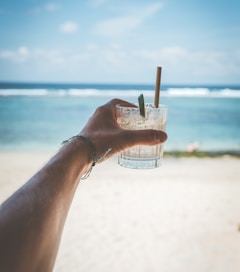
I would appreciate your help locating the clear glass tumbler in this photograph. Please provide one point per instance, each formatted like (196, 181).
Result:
(142, 156)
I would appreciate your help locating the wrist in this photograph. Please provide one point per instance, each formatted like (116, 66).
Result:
(92, 151)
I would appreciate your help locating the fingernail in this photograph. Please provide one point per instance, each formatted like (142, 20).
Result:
(163, 137)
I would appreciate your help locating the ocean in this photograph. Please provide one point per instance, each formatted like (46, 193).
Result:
(39, 116)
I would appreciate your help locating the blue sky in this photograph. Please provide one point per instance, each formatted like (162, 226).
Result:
(110, 41)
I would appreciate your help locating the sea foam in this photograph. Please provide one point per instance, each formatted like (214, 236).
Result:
(92, 92)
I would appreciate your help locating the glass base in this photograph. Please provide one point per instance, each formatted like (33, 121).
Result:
(135, 163)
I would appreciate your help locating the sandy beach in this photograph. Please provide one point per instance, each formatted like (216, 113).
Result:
(184, 216)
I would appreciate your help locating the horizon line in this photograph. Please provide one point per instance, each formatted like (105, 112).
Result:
(113, 83)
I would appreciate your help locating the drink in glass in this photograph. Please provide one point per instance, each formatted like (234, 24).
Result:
(142, 156)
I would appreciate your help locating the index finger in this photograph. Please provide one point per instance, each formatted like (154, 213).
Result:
(121, 102)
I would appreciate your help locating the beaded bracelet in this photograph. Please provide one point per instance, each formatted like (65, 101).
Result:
(93, 152)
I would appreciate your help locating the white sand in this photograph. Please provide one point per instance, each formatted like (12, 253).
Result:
(183, 216)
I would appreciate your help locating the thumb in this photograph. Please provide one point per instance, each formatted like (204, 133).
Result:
(146, 137)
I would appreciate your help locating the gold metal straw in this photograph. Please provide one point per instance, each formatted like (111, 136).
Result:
(157, 88)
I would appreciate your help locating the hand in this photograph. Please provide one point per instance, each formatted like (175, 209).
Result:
(103, 130)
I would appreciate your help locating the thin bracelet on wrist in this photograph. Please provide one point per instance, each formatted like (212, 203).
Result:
(92, 148)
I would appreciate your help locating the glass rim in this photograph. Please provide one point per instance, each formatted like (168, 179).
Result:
(161, 106)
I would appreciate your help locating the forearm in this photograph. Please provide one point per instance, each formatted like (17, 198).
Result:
(32, 220)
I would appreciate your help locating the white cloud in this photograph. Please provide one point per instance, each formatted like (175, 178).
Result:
(69, 27)
(150, 10)
(20, 55)
(115, 63)
(52, 7)
(48, 56)
(117, 26)
(189, 65)
(7, 54)
(23, 54)
(23, 51)
(49, 7)
(92, 47)
(97, 3)
(122, 25)
(169, 54)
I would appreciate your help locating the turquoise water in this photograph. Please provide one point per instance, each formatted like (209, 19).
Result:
(40, 116)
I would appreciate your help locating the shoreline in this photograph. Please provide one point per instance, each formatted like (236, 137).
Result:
(202, 154)
(167, 153)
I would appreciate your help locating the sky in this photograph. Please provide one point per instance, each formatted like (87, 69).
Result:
(110, 41)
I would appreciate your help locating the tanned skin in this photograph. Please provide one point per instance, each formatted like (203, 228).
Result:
(32, 219)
